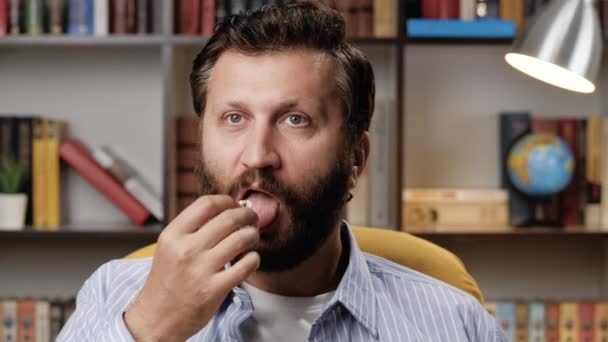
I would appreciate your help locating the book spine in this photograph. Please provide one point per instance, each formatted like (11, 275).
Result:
(348, 10)
(77, 18)
(145, 196)
(586, 313)
(568, 207)
(10, 320)
(6, 138)
(39, 179)
(78, 158)
(15, 12)
(24, 156)
(118, 16)
(581, 173)
(569, 321)
(208, 17)
(456, 195)
(440, 9)
(593, 188)
(467, 9)
(505, 315)
(382, 166)
(33, 17)
(604, 174)
(486, 9)
(600, 319)
(56, 319)
(552, 321)
(537, 322)
(385, 19)
(102, 17)
(53, 172)
(56, 14)
(513, 10)
(512, 126)
(143, 11)
(521, 322)
(455, 216)
(4, 22)
(26, 311)
(365, 19)
(131, 16)
(188, 19)
(43, 330)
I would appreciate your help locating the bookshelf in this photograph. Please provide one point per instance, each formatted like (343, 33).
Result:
(424, 76)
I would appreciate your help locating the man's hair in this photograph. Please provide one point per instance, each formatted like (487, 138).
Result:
(309, 25)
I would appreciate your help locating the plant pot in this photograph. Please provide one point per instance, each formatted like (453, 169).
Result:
(12, 211)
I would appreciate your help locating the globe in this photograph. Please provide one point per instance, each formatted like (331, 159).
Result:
(540, 164)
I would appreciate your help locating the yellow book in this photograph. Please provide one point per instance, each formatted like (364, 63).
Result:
(38, 175)
(55, 132)
(568, 322)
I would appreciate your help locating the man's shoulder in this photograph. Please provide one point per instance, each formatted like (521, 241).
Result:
(385, 270)
(120, 276)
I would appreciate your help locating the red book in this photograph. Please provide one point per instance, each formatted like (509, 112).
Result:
(188, 16)
(552, 322)
(365, 19)
(586, 317)
(26, 330)
(80, 159)
(441, 9)
(567, 200)
(208, 18)
(3, 17)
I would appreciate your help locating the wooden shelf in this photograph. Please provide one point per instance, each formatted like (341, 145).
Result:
(86, 232)
(549, 233)
(458, 41)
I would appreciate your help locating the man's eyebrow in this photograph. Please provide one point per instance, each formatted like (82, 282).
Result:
(319, 108)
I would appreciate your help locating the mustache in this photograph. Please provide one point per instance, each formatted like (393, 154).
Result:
(265, 182)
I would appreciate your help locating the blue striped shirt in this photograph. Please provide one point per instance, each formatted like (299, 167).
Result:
(375, 300)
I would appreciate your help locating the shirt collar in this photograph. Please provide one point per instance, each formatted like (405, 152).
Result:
(355, 291)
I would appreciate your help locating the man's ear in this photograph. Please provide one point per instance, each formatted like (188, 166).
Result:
(359, 156)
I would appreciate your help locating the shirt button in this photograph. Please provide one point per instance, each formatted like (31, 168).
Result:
(236, 300)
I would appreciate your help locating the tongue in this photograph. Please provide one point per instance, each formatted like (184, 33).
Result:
(264, 206)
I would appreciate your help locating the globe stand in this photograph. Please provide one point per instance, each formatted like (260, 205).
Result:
(542, 217)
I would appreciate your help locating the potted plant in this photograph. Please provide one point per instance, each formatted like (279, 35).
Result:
(12, 203)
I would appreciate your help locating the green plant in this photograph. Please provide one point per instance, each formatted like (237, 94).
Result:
(10, 176)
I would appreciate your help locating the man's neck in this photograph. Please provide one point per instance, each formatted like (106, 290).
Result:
(318, 274)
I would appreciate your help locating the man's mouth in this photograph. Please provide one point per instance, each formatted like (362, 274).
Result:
(263, 204)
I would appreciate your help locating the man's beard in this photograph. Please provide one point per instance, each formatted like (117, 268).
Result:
(313, 212)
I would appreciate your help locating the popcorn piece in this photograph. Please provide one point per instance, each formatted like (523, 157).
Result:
(245, 203)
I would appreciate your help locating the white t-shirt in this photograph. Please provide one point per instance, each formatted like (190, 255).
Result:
(279, 318)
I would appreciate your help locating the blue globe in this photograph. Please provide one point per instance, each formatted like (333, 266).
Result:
(540, 164)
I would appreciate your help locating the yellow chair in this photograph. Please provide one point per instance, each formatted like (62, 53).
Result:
(405, 249)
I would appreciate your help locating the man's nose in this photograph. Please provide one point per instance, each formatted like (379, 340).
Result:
(260, 149)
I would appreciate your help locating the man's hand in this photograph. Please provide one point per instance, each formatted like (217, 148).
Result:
(188, 282)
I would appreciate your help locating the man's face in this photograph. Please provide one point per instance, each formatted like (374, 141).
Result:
(273, 133)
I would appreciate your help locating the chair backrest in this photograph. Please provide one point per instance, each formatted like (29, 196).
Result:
(402, 248)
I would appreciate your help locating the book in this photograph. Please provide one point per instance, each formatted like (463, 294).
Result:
(42, 328)
(586, 314)
(486, 9)
(22, 145)
(56, 15)
(122, 16)
(536, 321)
(505, 316)
(365, 18)
(80, 17)
(513, 10)
(490, 29)
(348, 9)
(54, 134)
(601, 321)
(4, 17)
(603, 175)
(413, 8)
(143, 16)
(385, 19)
(130, 179)
(593, 171)
(552, 321)
(187, 17)
(569, 322)
(74, 154)
(26, 318)
(10, 320)
(440, 9)
(460, 195)
(521, 322)
(567, 199)
(423, 217)
(55, 318)
(101, 21)
(208, 17)
(39, 166)
(513, 126)
(467, 9)
(33, 16)
(15, 12)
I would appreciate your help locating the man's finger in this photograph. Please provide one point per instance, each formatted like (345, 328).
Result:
(235, 244)
(227, 279)
(222, 225)
(200, 212)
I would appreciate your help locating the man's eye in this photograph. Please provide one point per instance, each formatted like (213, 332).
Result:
(235, 118)
(296, 120)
